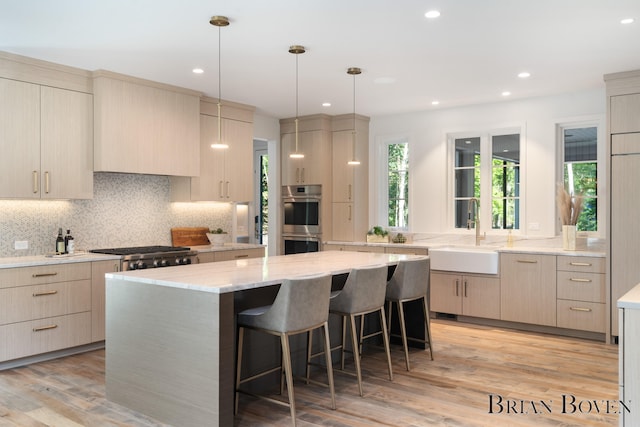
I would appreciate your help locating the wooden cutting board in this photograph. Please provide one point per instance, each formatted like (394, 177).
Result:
(189, 236)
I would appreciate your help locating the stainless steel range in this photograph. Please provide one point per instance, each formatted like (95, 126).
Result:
(141, 257)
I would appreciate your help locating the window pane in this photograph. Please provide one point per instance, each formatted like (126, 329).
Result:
(580, 144)
(462, 207)
(581, 172)
(467, 149)
(505, 213)
(505, 181)
(506, 147)
(466, 183)
(398, 185)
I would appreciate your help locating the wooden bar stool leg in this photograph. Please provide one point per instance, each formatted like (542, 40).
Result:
(427, 322)
(403, 332)
(286, 356)
(356, 353)
(327, 355)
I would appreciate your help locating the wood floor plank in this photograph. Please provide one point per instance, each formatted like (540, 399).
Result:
(481, 376)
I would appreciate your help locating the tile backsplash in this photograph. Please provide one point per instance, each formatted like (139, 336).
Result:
(126, 210)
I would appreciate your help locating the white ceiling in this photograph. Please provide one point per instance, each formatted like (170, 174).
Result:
(470, 55)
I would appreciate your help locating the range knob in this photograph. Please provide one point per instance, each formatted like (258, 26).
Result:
(132, 266)
(141, 265)
(164, 263)
(178, 261)
(186, 260)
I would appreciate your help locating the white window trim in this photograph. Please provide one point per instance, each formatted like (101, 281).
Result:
(485, 136)
(581, 122)
(383, 182)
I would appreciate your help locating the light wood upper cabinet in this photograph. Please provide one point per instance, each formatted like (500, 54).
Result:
(46, 136)
(528, 288)
(625, 113)
(226, 175)
(145, 127)
(315, 166)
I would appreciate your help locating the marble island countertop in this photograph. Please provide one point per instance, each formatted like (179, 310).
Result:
(230, 276)
(631, 299)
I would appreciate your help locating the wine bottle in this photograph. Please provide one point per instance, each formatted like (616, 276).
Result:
(60, 242)
(69, 243)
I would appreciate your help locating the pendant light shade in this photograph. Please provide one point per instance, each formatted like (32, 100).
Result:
(219, 21)
(296, 50)
(354, 71)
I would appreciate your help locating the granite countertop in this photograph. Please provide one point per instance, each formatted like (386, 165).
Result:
(34, 260)
(631, 299)
(237, 275)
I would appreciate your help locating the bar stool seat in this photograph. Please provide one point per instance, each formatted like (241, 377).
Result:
(410, 282)
(301, 305)
(363, 293)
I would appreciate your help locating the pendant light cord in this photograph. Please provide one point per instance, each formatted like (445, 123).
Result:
(219, 85)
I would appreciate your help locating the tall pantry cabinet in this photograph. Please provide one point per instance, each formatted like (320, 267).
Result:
(623, 149)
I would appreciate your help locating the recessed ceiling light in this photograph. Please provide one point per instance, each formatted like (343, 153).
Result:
(198, 71)
(432, 14)
(627, 21)
(435, 102)
(326, 104)
(506, 93)
(524, 75)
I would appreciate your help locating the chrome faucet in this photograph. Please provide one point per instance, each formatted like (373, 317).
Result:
(475, 221)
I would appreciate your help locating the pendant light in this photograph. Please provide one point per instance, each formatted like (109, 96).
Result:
(296, 50)
(354, 71)
(219, 21)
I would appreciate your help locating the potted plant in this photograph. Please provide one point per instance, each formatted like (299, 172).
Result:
(217, 236)
(377, 235)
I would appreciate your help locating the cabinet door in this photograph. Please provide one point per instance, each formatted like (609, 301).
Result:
(625, 233)
(209, 186)
(625, 113)
(445, 293)
(343, 222)
(238, 160)
(98, 270)
(314, 167)
(66, 144)
(528, 288)
(481, 297)
(342, 172)
(19, 139)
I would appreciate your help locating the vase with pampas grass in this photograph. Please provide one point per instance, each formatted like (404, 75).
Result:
(569, 208)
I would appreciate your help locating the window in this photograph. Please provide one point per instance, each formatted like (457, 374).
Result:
(397, 161)
(495, 183)
(580, 171)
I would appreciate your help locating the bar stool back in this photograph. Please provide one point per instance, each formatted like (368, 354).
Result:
(301, 305)
(410, 281)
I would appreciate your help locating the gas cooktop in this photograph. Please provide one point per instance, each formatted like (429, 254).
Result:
(140, 250)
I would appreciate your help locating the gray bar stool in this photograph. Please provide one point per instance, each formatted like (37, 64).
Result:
(410, 281)
(301, 305)
(363, 293)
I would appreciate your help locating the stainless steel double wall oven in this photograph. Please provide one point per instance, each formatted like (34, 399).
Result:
(302, 218)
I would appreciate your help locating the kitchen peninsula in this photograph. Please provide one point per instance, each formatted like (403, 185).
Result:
(170, 332)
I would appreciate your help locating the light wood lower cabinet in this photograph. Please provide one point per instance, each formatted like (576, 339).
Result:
(469, 295)
(230, 255)
(44, 308)
(629, 368)
(528, 288)
(98, 270)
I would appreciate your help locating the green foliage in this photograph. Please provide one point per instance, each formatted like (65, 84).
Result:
(398, 191)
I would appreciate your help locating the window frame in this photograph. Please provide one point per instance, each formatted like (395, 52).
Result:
(486, 168)
(576, 123)
(383, 203)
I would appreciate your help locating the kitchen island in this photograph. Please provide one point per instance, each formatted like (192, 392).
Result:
(171, 331)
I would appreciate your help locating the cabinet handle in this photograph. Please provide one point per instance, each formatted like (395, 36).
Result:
(116, 267)
(35, 182)
(528, 261)
(227, 189)
(575, 279)
(581, 264)
(349, 213)
(297, 174)
(44, 274)
(580, 309)
(46, 182)
(302, 175)
(44, 328)
(242, 256)
(457, 287)
(465, 288)
(349, 192)
(220, 190)
(43, 293)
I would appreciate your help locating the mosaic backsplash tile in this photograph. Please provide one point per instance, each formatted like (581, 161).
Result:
(126, 210)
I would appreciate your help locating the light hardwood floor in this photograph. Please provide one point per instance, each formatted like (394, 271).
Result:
(530, 372)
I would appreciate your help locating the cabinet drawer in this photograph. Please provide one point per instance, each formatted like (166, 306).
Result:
(585, 316)
(24, 303)
(44, 335)
(42, 274)
(238, 254)
(580, 263)
(580, 286)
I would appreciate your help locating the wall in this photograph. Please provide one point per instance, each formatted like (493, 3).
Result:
(427, 130)
(127, 210)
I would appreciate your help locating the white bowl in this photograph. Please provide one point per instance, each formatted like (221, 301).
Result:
(217, 239)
